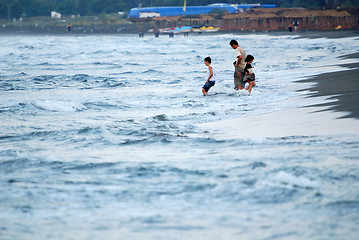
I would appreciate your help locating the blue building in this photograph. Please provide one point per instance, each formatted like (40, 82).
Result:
(192, 10)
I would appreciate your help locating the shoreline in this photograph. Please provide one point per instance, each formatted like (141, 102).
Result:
(342, 85)
(124, 29)
(331, 108)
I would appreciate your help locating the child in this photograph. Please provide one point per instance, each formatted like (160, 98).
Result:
(210, 76)
(249, 74)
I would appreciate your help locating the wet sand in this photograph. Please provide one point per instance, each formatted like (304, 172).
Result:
(342, 85)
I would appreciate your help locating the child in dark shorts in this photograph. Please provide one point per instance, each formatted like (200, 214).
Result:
(249, 74)
(210, 76)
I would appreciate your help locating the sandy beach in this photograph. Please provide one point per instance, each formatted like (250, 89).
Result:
(342, 85)
(330, 107)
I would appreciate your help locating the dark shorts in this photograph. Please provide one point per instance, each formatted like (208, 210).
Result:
(208, 85)
(238, 76)
(249, 77)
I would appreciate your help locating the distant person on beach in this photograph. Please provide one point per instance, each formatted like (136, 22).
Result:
(68, 27)
(290, 27)
(239, 65)
(249, 74)
(210, 76)
(296, 25)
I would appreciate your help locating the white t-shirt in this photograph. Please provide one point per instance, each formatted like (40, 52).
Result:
(241, 52)
(213, 78)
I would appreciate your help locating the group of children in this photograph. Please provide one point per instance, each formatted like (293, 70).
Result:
(243, 71)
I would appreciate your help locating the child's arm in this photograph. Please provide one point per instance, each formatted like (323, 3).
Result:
(248, 69)
(211, 73)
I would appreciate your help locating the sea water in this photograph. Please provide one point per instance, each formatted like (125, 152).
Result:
(99, 139)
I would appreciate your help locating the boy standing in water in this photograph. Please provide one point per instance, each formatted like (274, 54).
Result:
(239, 65)
(210, 76)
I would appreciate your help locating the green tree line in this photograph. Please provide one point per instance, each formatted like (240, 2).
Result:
(31, 8)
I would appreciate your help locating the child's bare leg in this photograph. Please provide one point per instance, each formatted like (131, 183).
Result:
(250, 86)
(204, 92)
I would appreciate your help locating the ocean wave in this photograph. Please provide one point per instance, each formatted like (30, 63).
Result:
(7, 154)
(125, 73)
(106, 105)
(80, 77)
(87, 166)
(16, 108)
(153, 71)
(106, 64)
(10, 86)
(44, 78)
(284, 179)
(193, 104)
(132, 64)
(26, 47)
(58, 106)
(345, 206)
(161, 117)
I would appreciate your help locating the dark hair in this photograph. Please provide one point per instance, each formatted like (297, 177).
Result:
(233, 42)
(249, 58)
(208, 59)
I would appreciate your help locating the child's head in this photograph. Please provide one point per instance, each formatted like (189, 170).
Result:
(249, 59)
(207, 61)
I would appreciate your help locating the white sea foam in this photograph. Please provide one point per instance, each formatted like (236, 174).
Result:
(58, 106)
(285, 179)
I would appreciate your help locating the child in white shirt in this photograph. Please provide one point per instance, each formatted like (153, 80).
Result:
(210, 76)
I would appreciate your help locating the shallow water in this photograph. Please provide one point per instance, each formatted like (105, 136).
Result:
(99, 139)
